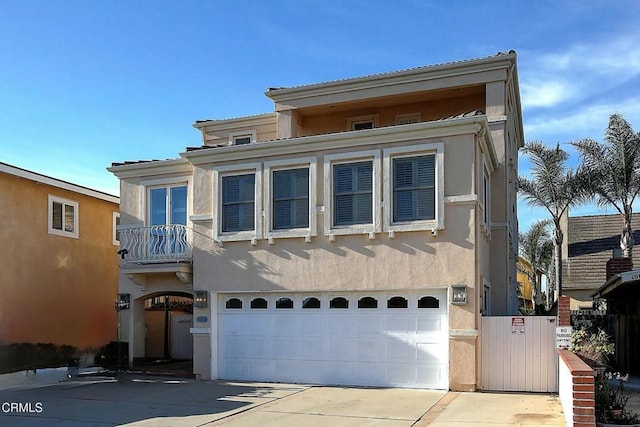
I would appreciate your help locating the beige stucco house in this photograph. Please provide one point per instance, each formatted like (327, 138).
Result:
(60, 274)
(355, 235)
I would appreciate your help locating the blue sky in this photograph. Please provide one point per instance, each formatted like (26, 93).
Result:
(86, 83)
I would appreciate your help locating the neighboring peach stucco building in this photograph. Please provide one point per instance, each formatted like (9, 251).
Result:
(354, 236)
(60, 275)
(525, 286)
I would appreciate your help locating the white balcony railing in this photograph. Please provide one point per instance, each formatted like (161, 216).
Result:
(155, 244)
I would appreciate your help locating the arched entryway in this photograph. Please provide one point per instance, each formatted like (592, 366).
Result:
(168, 317)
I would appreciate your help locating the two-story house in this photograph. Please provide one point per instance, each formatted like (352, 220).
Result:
(354, 236)
(60, 273)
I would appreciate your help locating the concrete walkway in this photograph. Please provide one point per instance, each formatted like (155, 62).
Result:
(135, 400)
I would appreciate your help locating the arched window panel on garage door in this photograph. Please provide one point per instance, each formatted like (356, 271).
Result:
(259, 303)
(428, 302)
(284, 303)
(339, 302)
(397, 302)
(311, 302)
(367, 302)
(233, 304)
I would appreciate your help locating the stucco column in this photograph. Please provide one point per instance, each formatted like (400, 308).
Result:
(204, 338)
(463, 338)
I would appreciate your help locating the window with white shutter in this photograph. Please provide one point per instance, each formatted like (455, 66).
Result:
(414, 188)
(352, 197)
(353, 193)
(238, 202)
(290, 198)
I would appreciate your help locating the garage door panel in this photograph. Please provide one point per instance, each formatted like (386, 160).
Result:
(284, 348)
(428, 351)
(431, 374)
(369, 324)
(400, 374)
(369, 349)
(312, 325)
(341, 349)
(399, 350)
(429, 324)
(395, 347)
(402, 324)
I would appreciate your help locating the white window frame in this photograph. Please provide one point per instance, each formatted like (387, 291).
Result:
(168, 187)
(116, 216)
(76, 214)
(147, 185)
(353, 157)
(276, 165)
(413, 151)
(352, 121)
(242, 169)
(242, 134)
(405, 119)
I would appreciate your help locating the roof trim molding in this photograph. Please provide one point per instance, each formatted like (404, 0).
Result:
(411, 132)
(58, 183)
(453, 69)
(224, 124)
(152, 168)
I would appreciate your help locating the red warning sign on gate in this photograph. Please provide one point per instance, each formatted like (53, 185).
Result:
(517, 325)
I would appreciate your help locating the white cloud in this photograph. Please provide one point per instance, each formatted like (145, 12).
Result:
(550, 79)
(588, 121)
(544, 93)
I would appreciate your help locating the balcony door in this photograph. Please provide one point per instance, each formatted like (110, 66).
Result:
(168, 220)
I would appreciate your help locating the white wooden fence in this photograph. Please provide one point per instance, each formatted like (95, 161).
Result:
(519, 354)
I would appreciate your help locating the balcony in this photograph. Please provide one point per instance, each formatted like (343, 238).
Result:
(156, 244)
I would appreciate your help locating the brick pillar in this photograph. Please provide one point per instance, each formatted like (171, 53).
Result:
(618, 265)
(564, 311)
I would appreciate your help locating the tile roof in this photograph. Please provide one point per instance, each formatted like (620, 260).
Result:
(591, 240)
(390, 73)
(133, 162)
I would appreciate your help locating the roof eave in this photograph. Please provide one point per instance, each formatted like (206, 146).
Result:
(284, 94)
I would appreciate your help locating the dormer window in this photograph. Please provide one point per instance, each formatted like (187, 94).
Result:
(363, 122)
(242, 138)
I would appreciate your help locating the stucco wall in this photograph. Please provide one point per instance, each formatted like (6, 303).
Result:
(56, 289)
(433, 109)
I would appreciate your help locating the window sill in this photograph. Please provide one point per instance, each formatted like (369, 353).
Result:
(63, 233)
(291, 233)
(415, 226)
(237, 236)
(353, 229)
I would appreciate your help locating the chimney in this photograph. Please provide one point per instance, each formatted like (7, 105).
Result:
(618, 264)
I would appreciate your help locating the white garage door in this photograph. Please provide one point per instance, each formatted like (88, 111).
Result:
(373, 339)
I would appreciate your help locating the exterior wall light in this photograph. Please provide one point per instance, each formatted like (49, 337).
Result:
(459, 295)
(123, 302)
(200, 299)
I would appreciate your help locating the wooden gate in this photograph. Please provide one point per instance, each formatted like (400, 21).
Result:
(519, 354)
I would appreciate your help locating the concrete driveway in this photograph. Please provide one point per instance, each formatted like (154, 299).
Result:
(153, 401)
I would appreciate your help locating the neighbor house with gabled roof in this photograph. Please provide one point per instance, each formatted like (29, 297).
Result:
(60, 277)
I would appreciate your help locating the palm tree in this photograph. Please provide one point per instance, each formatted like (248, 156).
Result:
(554, 188)
(536, 247)
(613, 170)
